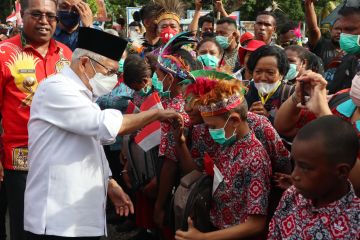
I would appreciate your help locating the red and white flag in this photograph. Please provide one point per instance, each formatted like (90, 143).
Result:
(18, 14)
(150, 135)
(132, 108)
(12, 17)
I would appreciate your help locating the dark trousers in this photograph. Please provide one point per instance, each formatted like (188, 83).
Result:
(15, 183)
(31, 236)
(3, 207)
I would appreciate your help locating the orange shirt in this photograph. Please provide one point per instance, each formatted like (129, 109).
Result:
(22, 68)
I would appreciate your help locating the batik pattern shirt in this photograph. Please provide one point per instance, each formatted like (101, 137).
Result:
(264, 132)
(167, 143)
(297, 218)
(244, 191)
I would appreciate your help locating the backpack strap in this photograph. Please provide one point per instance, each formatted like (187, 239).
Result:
(286, 92)
(338, 99)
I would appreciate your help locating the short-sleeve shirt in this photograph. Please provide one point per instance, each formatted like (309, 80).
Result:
(326, 50)
(297, 218)
(22, 68)
(279, 156)
(167, 142)
(245, 189)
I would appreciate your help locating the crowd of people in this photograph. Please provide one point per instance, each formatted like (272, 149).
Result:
(189, 135)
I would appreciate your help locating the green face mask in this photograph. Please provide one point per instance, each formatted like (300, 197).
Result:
(218, 135)
(158, 85)
(350, 43)
(209, 60)
(223, 41)
(145, 91)
(121, 65)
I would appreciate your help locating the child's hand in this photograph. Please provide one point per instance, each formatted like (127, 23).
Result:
(282, 180)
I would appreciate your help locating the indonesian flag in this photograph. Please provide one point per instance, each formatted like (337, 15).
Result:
(12, 17)
(132, 108)
(150, 135)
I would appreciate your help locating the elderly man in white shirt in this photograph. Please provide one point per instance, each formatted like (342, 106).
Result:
(69, 176)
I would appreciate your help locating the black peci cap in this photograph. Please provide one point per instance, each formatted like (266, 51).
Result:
(102, 43)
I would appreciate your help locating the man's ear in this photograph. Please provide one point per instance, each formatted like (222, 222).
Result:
(343, 171)
(82, 63)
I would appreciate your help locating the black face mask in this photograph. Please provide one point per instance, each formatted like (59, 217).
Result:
(69, 19)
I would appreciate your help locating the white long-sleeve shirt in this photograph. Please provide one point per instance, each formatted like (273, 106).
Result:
(68, 172)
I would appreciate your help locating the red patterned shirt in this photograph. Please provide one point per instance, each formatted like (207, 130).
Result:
(22, 68)
(246, 169)
(167, 144)
(264, 132)
(297, 218)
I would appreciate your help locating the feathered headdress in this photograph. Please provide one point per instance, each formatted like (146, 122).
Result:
(221, 98)
(172, 9)
(274, 6)
(169, 62)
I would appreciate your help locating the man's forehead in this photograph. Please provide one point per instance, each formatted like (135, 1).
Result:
(69, 2)
(265, 18)
(225, 27)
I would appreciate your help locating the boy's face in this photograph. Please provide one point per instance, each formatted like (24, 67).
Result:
(313, 176)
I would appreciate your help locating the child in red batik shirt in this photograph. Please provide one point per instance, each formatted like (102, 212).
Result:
(242, 168)
(322, 203)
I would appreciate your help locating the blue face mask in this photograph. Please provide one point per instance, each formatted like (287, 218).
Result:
(223, 41)
(69, 19)
(209, 60)
(350, 43)
(292, 73)
(218, 135)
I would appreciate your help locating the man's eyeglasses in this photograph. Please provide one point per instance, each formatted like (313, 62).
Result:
(110, 72)
(50, 17)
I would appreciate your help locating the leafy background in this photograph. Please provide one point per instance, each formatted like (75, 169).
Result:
(248, 8)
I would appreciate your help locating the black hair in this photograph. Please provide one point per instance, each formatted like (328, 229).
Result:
(135, 69)
(150, 10)
(227, 20)
(348, 11)
(135, 24)
(268, 14)
(302, 52)
(25, 4)
(266, 51)
(213, 40)
(136, 16)
(205, 18)
(338, 137)
(315, 63)
(121, 21)
(288, 27)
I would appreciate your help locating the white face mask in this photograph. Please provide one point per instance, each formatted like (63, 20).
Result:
(266, 88)
(102, 84)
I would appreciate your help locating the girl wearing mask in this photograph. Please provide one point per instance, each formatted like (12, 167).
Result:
(300, 60)
(268, 66)
(244, 186)
(209, 53)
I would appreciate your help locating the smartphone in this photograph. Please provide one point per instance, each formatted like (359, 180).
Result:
(302, 91)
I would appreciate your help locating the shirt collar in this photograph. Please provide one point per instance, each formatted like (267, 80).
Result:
(346, 108)
(342, 203)
(69, 73)
(53, 47)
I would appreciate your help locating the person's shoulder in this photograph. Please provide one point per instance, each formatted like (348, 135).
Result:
(11, 45)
